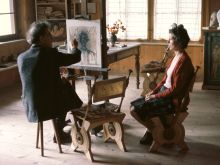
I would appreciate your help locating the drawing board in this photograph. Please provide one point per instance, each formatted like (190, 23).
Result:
(88, 35)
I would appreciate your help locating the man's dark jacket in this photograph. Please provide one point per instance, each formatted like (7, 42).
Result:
(44, 95)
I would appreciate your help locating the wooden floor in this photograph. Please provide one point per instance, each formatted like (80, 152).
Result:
(17, 135)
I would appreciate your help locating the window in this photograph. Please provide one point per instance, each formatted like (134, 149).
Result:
(133, 14)
(186, 12)
(7, 17)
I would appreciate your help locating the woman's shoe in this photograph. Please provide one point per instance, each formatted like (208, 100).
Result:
(147, 139)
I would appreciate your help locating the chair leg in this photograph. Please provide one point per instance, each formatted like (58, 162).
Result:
(57, 135)
(154, 147)
(114, 130)
(38, 129)
(81, 140)
(120, 136)
(157, 133)
(40, 132)
(41, 138)
(183, 146)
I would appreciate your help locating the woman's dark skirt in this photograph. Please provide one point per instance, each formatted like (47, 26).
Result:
(153, 107)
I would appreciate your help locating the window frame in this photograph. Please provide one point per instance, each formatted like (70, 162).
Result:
(123, 36)
(10, 37)
(199, 28)
(150, 27)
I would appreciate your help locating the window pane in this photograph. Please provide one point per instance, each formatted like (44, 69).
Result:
(133, 15)
(9, 27)
(186, 12)
(161, 28)
(6, 6)
(7, 17)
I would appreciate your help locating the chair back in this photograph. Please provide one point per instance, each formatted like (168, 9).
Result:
(108, 89)
(186, 99)
(193, 79)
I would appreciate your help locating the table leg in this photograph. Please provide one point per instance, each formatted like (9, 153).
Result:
(137, 67)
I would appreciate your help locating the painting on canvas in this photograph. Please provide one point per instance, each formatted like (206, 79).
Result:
(87, 33)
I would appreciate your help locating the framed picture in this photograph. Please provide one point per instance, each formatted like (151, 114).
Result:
(88, 35)
(212, 60)
(58, 30)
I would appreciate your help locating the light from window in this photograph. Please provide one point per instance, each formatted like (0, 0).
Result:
(7, 18)
(186, 12)
(133, 14)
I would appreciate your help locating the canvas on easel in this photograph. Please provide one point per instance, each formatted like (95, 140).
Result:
(88, 35)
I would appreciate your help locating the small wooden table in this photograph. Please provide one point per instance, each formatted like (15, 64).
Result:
(118, 53)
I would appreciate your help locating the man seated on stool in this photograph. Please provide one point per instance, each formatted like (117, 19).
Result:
(44, 94)
(172, 87)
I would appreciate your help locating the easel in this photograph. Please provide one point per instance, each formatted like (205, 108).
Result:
(84, 15)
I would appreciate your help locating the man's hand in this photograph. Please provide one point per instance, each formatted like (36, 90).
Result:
(74, 43)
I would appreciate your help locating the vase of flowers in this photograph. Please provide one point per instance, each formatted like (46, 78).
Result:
(113, 30)
(112, 39)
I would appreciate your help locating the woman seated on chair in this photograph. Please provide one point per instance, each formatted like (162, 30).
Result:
(179, 72)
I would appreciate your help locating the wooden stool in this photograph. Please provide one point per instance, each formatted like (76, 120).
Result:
(175, 132)
(171, 135)
(40, 133)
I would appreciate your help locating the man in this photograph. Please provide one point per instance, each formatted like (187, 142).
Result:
(44, 95)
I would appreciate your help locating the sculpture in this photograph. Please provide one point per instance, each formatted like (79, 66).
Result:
(213, 20)
(218, 17)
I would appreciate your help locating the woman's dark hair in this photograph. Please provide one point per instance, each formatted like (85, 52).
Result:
(36, 30)
(180, 35)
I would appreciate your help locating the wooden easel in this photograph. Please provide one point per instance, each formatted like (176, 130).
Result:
(84, 15)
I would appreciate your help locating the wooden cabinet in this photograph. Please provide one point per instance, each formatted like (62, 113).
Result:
(211, 59)
(60, 9)
(55, 12)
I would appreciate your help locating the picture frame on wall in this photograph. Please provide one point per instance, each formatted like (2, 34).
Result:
(88, 35)
(58, 30)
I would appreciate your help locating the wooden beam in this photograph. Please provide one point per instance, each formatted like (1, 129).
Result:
(84, 8)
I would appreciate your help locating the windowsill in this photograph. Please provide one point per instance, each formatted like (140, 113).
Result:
(13, 41)
(198, 44)
(8, 67)
(162, 43)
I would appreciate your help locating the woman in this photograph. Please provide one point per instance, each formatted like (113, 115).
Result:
(173, 85)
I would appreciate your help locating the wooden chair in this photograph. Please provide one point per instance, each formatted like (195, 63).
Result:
(106, 114)
(40, 134)
(173, 132)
